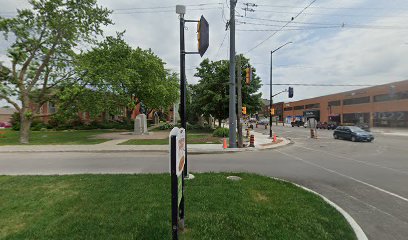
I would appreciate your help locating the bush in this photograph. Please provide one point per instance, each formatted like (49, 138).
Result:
(221, 132)
(38, 126)
(166, 126)
(16, 126)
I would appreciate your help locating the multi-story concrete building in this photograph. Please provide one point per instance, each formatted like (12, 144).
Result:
(379, 106)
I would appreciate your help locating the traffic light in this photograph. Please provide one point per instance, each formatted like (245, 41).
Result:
(248, 76)
(290, 92)
(272, 111)
(203, 35)
(244, 110)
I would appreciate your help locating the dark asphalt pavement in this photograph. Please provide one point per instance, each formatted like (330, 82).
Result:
(368, 180)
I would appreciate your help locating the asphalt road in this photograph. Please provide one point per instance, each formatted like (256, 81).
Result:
(368, 180)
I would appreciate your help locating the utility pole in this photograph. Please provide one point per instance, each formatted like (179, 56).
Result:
(270, 100)
(232, 89)
(239, 90)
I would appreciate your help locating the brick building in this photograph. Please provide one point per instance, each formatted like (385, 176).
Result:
(379, 106)
(6, 113)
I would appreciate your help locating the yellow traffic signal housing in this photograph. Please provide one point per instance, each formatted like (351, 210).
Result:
(272, 111)
(244, 110)
(248, 76)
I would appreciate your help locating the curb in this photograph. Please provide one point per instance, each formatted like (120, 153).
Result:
(356, 228)
(193, 152)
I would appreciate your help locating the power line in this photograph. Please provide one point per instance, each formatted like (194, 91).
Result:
(222, 43)
(165, 11)
(333, 15)
(290, 29)
(319, 7)
(283, 21)
(273, 34)
(321, 85)
(161, 7)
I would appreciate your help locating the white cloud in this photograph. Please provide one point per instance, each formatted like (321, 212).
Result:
(348, 55)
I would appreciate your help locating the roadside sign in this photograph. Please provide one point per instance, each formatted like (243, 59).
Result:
(177, 144)
(180, 135)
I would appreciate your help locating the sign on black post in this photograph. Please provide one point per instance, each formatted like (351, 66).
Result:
(177, 161)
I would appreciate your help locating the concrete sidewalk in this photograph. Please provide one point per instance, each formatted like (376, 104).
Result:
(261, 142)
(391, 131)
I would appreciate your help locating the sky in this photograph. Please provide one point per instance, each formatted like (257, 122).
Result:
(357, 42)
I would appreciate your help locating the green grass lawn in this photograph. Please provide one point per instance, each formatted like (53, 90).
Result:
(191, 139)
(139, 207)
(10, 137)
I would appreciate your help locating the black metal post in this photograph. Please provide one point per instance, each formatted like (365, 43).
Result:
(174, 192)
(183, 86)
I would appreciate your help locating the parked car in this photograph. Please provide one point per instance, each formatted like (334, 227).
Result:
(332, 125)
(264, 121)
(5, 125)
(297, 123)
(321, 125)
(352, 133)
(252, 120)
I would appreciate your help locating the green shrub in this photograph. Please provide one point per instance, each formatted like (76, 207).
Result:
(38, 126)
(221, 132)
(16, 126)
(166, 126)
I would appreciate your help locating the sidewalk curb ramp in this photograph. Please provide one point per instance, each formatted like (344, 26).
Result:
(356, 228)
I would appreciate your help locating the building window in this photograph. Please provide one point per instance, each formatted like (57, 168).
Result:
(299, 107)
(390, 119)
(382, 98)
(314, 105)
(389, 97)
(288, 109)
(51, 108)
(334, 103)
(354, 118)
(360, 100)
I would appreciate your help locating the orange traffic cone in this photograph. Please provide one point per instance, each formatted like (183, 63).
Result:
(224, 145)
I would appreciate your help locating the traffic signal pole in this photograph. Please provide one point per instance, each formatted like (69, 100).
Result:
(232, 88)
(270, 91)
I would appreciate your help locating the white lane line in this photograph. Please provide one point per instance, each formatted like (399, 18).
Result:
(355, 160)
(357, 229)
(346, 176)
(367, 204)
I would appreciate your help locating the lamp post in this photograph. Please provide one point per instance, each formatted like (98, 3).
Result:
(270, 91)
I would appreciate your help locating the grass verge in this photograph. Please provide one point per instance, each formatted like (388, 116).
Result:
(83, 137)
(191, 139)
(138, 207)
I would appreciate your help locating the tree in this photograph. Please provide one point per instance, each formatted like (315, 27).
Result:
(211, 94)
(117, 76)
(42, 53)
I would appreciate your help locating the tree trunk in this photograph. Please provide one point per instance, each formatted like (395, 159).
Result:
(25, 125)
(219, 122)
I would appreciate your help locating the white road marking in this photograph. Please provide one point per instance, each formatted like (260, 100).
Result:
(355, 160)
(345, 176)
(367, 204)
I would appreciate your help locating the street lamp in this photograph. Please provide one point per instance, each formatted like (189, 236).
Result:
(270, 90)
